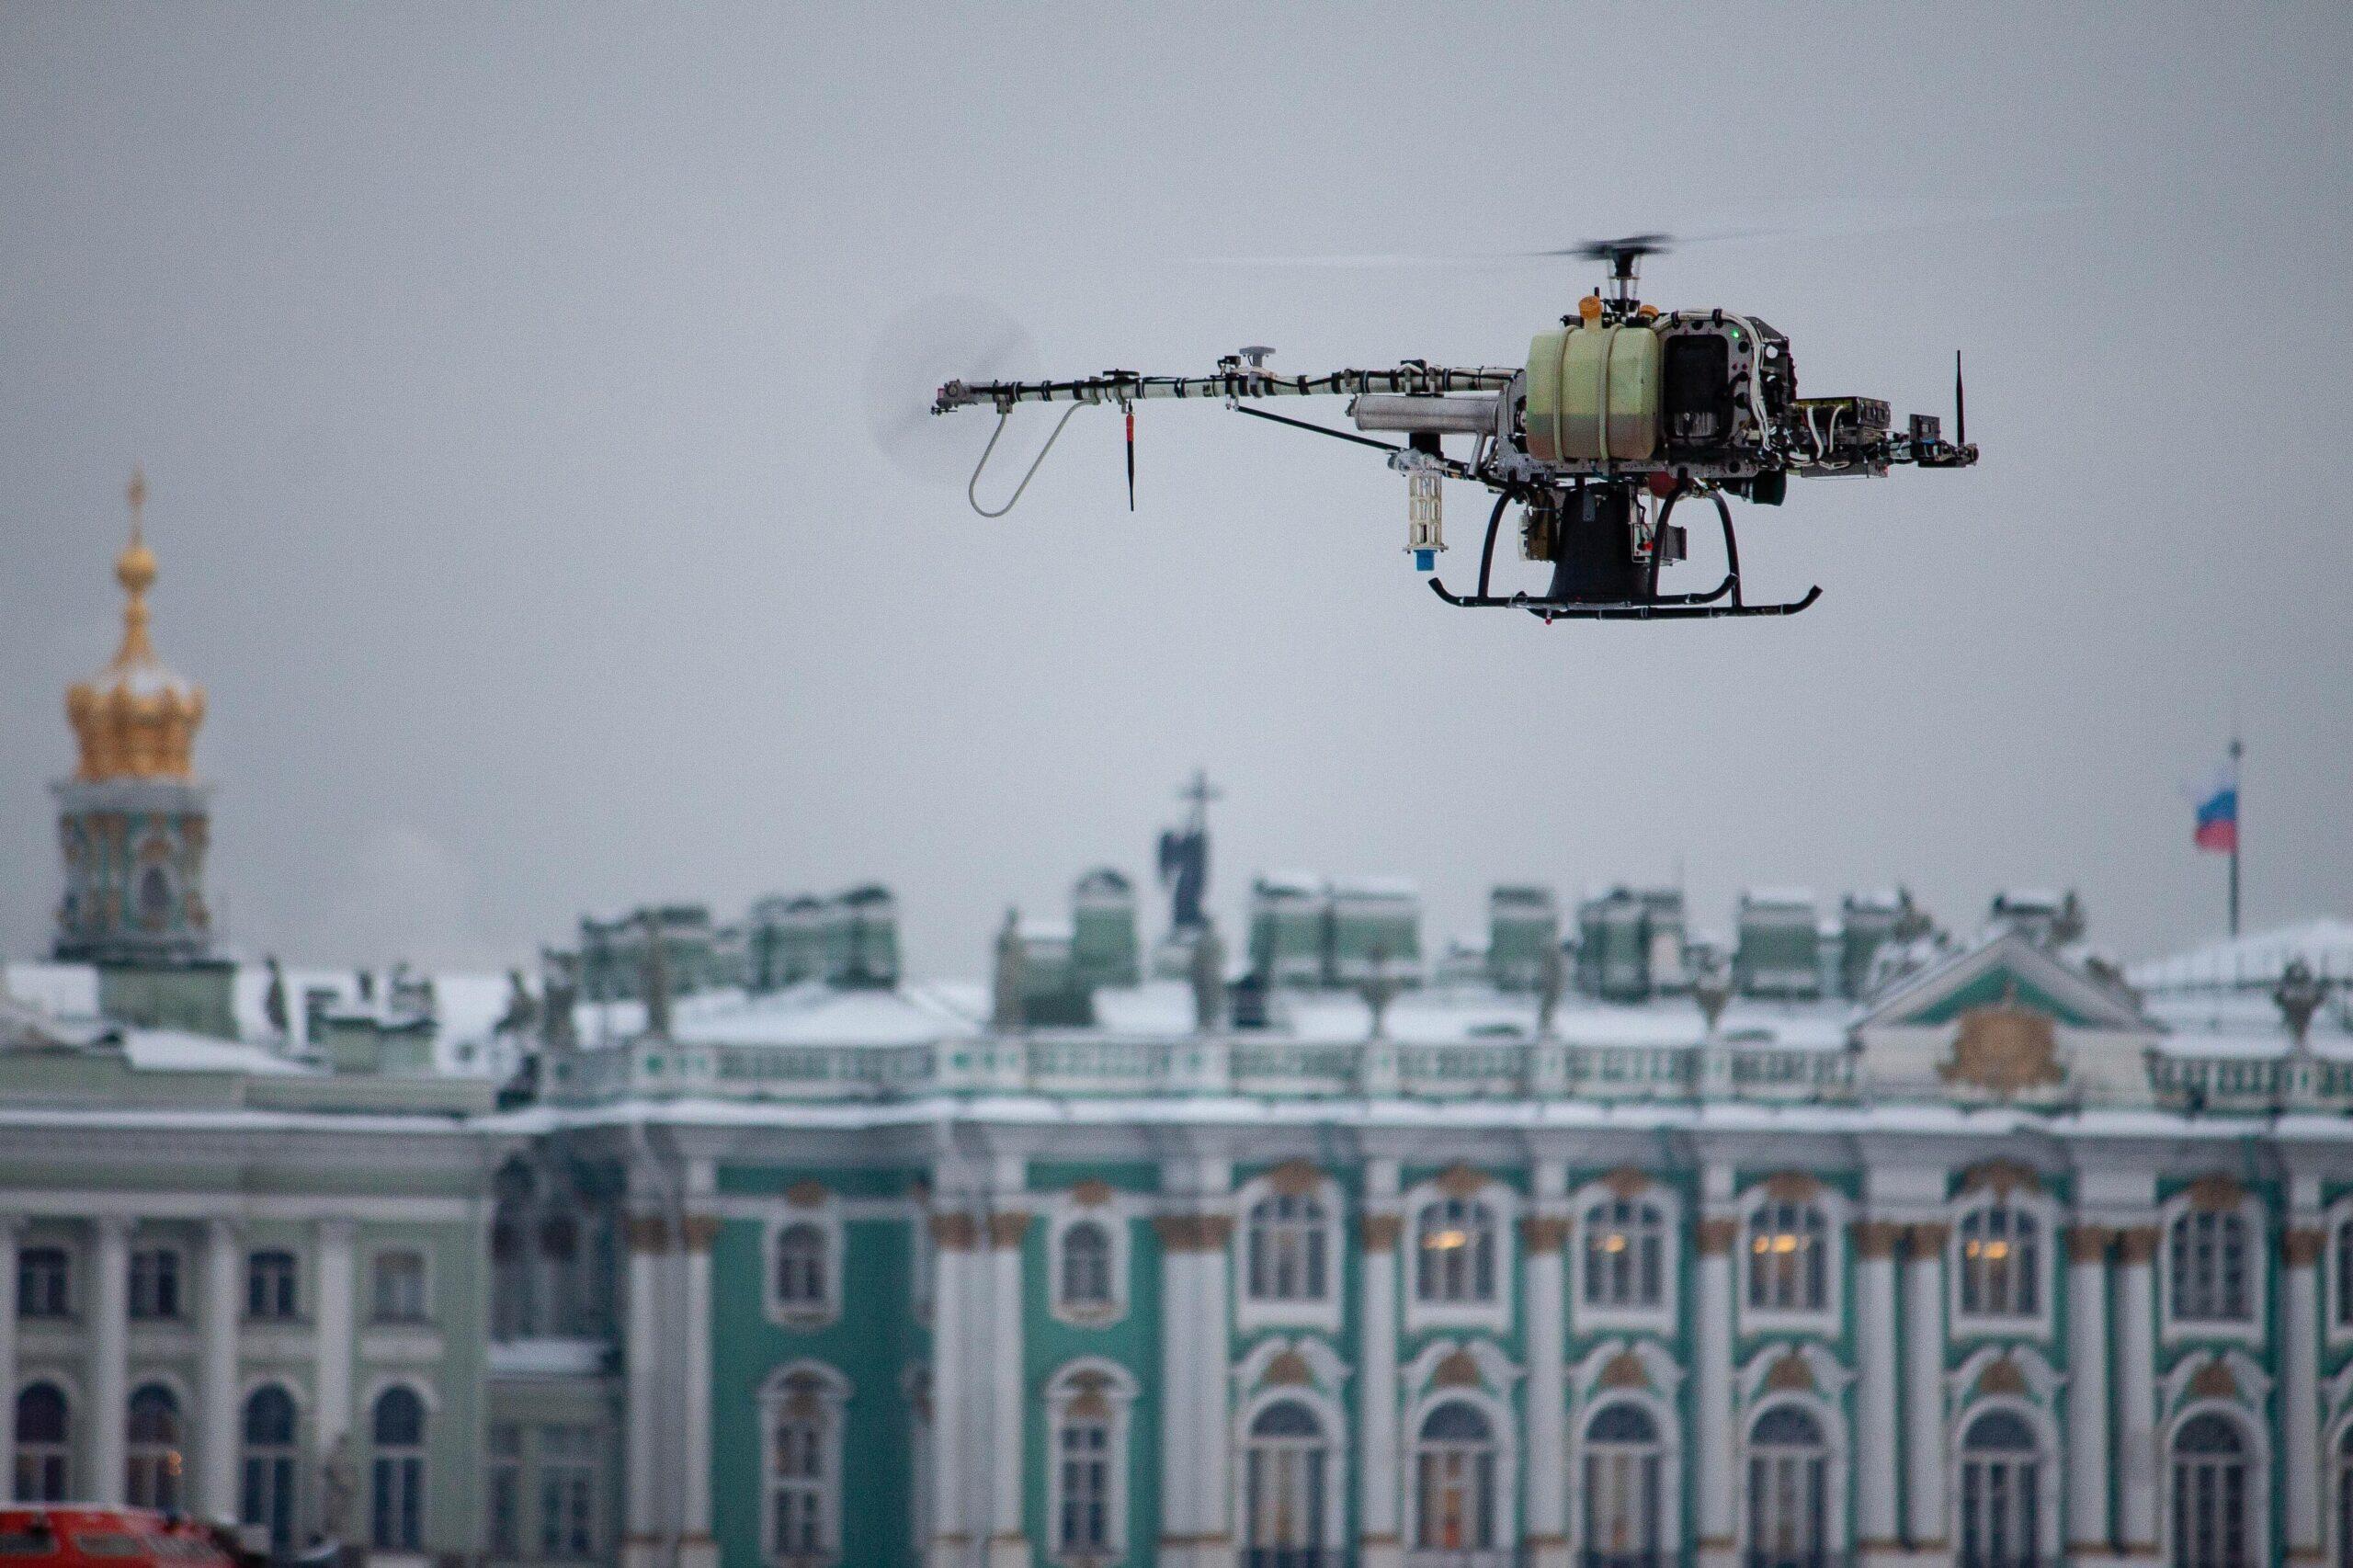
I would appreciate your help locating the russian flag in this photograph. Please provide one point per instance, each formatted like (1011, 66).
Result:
(2218, 814)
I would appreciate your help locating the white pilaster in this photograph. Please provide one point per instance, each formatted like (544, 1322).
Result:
(649, 1239)
(217, 1312)
(696, 1547)
(1924, 1401)
(9, 1226)
(2300, 1389)
(1211, 1408)
(1179, 1358)
(1379, 1476)
(954, 1238)
(1713, 1443)
(2087, 1532)
(1008, 1541)
(337, 1305)
(1877, 1528)
(1545, 1240)
(2136, 1395)
(109, 1354)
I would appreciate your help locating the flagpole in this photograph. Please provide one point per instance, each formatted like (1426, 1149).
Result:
(2237, 825)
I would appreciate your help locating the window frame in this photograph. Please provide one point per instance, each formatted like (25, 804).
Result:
(1588, 1317)
(2038, 1324)
(251, 1453)
(833, 1395)
(2255, 1238)
(1332, 1428)
(1253, 1311)
(291, 1290)
(2051, 1494)
(165, 1273)
(64, 1309)
(1668, 1452)
(59, 1453)
(1836, 1461)
(410, 1468)
(1071, 1384)
(1503, 1204)
(1112, 1217)
(1503, 1501)
(2337, 1273)
(824, 1219)
(157, 1467)
(2255, 1452)
(423, 1316)
(1834, 1209)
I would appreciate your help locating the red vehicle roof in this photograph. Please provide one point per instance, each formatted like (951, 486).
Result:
(80, 1535)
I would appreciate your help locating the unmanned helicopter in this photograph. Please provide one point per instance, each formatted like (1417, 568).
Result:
(1618, 417)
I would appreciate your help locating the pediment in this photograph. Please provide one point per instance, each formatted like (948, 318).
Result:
(2008, 975)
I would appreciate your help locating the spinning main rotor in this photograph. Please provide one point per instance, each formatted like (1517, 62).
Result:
(1616, 416)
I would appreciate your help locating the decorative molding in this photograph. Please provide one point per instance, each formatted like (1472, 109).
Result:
(1875, 1239)
(1289, 1369)
(1544, 1233)
(1458, 1369)
(955, 1232)
(2136, 1244)
(1380, 1232)
(1927, 1238)
(699, 1230)
(1461, 1181)
(1192, 1232)
(1092, 1193)
(1792, 1187)
(2004, 1049)
(1008, 1227)
(1295, 1178)
(1717, 1236)
(647, 1233)
(1791, 1375)
(2001, 1177)
(2002, 1377)
(2300, 1246)
(1625, 1371)
(1627, 1182)
(806, 1194)
(2216, 1193)
(2213, 1381)
(2089, 1243)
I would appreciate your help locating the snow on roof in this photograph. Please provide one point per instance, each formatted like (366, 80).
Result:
(61, 990)
(1777, 897)
(808, 1014)
(175, 1051)
(1300, 884)
(2253, 961)
(1375, 887)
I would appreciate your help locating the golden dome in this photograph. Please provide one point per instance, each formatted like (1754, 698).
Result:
(136, 719)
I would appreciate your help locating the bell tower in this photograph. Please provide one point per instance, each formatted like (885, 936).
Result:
(134, 822)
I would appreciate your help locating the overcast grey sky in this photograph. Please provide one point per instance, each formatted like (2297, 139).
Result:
(498, 373)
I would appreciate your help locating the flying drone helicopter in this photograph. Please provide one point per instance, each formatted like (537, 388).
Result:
(1616, 416)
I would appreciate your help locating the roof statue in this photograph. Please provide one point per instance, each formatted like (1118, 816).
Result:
(136, 718)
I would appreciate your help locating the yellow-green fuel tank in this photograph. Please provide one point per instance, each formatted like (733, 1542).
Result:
(1593, 393)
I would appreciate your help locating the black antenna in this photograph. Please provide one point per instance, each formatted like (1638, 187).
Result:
(1960, 405)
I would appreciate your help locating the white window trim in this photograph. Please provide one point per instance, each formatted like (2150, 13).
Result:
(2048, 1239)
(2051, 1482)
(834, 1395)
(1663, 1318)
(826, 1216)
(1834, 1438)
(1670, 1481)
(424, 1255)
(76, 1278)
(1495, 1315)
(2258, 1441)
(1119, 1391)
(2174, 1331)
(1836, 1212)
(1251, 1312)
(1332, 1422)
(1505, 1429)
(1063, 1212)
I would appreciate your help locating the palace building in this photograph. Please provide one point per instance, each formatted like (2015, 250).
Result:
(1840, 1236)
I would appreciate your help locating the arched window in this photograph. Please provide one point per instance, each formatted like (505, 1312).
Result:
(800, 1271)
(1456, 1255)
(265, 1494)
(151, 1466)
(154, 897)
(44, 1445)
(396, 1522)
(800, 1479)
(2208, 1265)
(2001, 1494)
(2001, 1263)
(1788, 1257)
(1286, 1243)
(1086, 1266)
(1624, 1465)
(1283, 1481)
(269, 1287)
(2215, 1492)
(1625, 1253)
(399, 1287)
(1454, 1481)
(1788, 1490)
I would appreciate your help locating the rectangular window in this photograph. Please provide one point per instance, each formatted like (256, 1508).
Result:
(506, 1490)
(44, 1283)
(154, 1284)
(399, 1287)
(567, 1493)
(1086, 1522)
(269, 1287)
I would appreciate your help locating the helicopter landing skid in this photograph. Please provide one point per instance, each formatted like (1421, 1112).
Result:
(1689, 607)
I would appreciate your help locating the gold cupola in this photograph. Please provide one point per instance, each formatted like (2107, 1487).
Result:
(136, 719)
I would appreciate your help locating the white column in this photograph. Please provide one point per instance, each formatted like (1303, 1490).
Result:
(1544, 1241)
(1713, 1444)
(217, 1312)
(2136, 1394)
(9, 1226)
(2088, 1389)
(696, 1547)
(1179, 1358)
(953, 1237)
(110, 1355)
(1923, 1400)
(1877, 1528)
(1211, 1403)
(1008, 1541)
(2300, 1389)
(337, 1307)
(649, 1239)
(1379, 1477)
